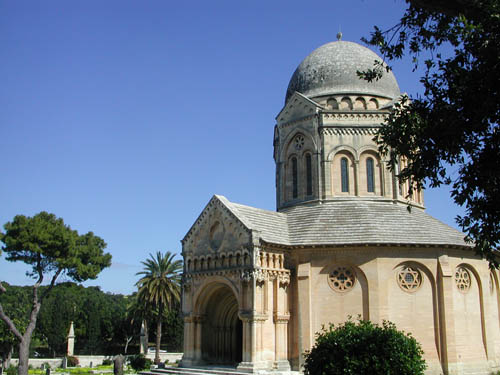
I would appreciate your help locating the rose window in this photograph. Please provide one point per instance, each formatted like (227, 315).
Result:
(299, 142)
(342, 279)
(462, 279)
(409, 279)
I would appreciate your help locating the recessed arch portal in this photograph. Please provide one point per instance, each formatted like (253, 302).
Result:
(222, 330)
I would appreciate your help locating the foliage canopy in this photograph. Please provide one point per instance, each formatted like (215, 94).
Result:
(364, 348)
(51, 248)
(160, 288)
(48, 245)
(456, 120)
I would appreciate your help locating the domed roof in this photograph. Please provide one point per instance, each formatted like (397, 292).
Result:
(331, 69)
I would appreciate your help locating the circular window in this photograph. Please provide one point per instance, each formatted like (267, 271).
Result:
(462, 279)
(216, 235)
(409, 279)
(299, 142)
(342, 279)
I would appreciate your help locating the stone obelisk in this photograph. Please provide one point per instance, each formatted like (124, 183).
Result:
(71, 340)
(144, 338)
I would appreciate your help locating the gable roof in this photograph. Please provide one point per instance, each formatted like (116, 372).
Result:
(302, 98)
(368, 222)
(346, 222)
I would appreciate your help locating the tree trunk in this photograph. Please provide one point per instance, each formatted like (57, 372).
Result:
(127, 341)
(24, 353)
(6, 357)
(24, 343)
(158, 335)
(146, 335)
(25, 340)
(9, 357)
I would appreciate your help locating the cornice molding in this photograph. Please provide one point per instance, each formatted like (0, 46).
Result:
(349, 131)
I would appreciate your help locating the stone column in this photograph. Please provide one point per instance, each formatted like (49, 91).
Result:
(305, 339)
(326, 187)
(197, 335)
(281, 357)
(356, 178)
(489, 325)
(251, 355)
(188, 355)
(446, 318)
(249, 339)
(71, 340)
(281, 318)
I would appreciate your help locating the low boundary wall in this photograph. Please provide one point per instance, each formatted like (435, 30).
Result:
(95, 360)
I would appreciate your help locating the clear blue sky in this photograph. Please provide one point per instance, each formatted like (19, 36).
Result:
(125, 117)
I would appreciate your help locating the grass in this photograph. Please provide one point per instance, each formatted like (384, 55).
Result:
(80, 370)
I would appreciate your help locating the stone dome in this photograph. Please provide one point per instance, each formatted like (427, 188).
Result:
(331, 69)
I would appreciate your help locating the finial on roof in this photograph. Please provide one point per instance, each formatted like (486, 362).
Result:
(339, 35)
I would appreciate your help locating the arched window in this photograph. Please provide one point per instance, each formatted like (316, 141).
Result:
(370, 176)
(344, 171)
(309, 174)
(295, 190)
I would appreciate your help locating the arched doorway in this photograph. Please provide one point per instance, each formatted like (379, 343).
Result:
(222, 330)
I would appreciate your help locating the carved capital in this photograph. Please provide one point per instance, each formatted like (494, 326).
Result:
(246, 276)
(251, 316)
(260, 276)
(192, 318)
(187, 282)
(284, 279)
(198, 318)
(281, 318)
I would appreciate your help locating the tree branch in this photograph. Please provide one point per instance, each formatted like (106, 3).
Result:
(52, 283)
(9, 322)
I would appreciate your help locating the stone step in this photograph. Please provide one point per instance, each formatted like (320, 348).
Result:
(207, 370)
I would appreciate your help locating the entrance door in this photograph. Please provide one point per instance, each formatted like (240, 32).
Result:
(222, 332)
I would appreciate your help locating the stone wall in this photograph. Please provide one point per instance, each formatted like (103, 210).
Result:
(96, 360)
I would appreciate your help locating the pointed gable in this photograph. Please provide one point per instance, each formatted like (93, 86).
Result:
(297, 108)
(217, 229)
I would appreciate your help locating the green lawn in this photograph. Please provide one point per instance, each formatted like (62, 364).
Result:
(81, 370)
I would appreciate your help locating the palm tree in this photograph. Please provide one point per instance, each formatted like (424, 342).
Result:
(139, 314)
(160, 287)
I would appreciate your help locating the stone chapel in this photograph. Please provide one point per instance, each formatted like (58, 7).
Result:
(258, 284)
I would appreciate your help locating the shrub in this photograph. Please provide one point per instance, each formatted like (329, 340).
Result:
(139, 362)
(72, 361)
(364, 348)
(12, 370)
(107, 362)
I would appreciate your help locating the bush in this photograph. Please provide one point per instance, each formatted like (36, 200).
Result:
(72, 361)
(107, 362)
(12, 370)
(364, 348)
(139, 362)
